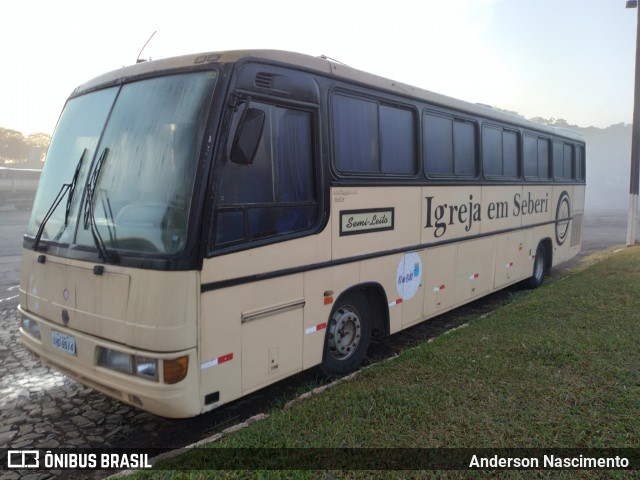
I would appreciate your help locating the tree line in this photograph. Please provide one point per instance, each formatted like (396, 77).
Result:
(23, 151)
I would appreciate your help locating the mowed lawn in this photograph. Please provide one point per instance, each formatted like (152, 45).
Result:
(557, 368)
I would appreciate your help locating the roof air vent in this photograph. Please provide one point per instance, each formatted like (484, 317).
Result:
(264, 80)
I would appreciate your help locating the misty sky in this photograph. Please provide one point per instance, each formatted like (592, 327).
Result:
(570, 59)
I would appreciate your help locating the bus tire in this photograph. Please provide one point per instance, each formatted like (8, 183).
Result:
(539, 268)
(348, 334)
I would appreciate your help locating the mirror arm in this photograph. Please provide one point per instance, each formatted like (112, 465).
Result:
(236, 100)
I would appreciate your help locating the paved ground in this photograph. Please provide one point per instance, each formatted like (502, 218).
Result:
(40, 408)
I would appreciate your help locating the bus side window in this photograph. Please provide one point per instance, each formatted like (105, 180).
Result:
(373, 138)
(536, 157)
(563, 157)
(450, 146)
(580, 161)
(500, 152)
(275, 194)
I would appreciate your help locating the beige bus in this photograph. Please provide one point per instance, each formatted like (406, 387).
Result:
(210, 224)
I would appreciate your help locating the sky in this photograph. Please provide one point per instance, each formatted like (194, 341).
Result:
(569, 59)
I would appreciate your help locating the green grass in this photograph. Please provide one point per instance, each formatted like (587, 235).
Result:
(558, 368)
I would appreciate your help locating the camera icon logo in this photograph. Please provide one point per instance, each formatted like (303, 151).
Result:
(23, 459)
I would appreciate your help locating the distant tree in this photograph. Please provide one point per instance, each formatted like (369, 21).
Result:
(39, 140)
(13, 146)
(543, 121)
(510, 112)
(18, 150)
(38, 144)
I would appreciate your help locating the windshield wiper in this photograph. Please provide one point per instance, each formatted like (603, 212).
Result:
(66, 188)
(72, 188)
(89, 214)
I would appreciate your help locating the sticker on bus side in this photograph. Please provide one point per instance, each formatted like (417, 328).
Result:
(409, 275)
(366, 221)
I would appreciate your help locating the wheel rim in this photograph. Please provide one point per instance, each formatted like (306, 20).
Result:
(345, 331)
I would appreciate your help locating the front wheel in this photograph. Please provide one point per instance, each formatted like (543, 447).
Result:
(539, 268)
(348, 334)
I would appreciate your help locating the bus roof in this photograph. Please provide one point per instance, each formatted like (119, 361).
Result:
(322, 66)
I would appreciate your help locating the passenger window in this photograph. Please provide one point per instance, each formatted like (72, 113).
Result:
(450, 146)
(580, 163)
(500, 152)
(535, 157)
(544, 148)
(562, 161)
(371, 137)
(492, 151)
(568, 162)
(530, 156)
(510, 154)
(355, 126)
(438, 138)
(464, 148)
(276, 194)
(397, 141)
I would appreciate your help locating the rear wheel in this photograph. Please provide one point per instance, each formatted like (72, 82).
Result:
(539, 268)
(348, 334)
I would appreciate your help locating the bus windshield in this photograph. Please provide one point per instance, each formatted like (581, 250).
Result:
(125, 158)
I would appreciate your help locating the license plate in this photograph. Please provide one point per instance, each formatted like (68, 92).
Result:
(64, 342)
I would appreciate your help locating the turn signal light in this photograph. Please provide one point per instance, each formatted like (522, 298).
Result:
(176, 369)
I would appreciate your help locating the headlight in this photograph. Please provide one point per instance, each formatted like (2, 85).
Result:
(146, 367)
(139, 366)
(115, 360)
(31, 327)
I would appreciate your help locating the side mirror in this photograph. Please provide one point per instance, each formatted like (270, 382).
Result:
(247, 137)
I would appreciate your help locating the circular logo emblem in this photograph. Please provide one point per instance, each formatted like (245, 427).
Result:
(563, 217)
(409, 275)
